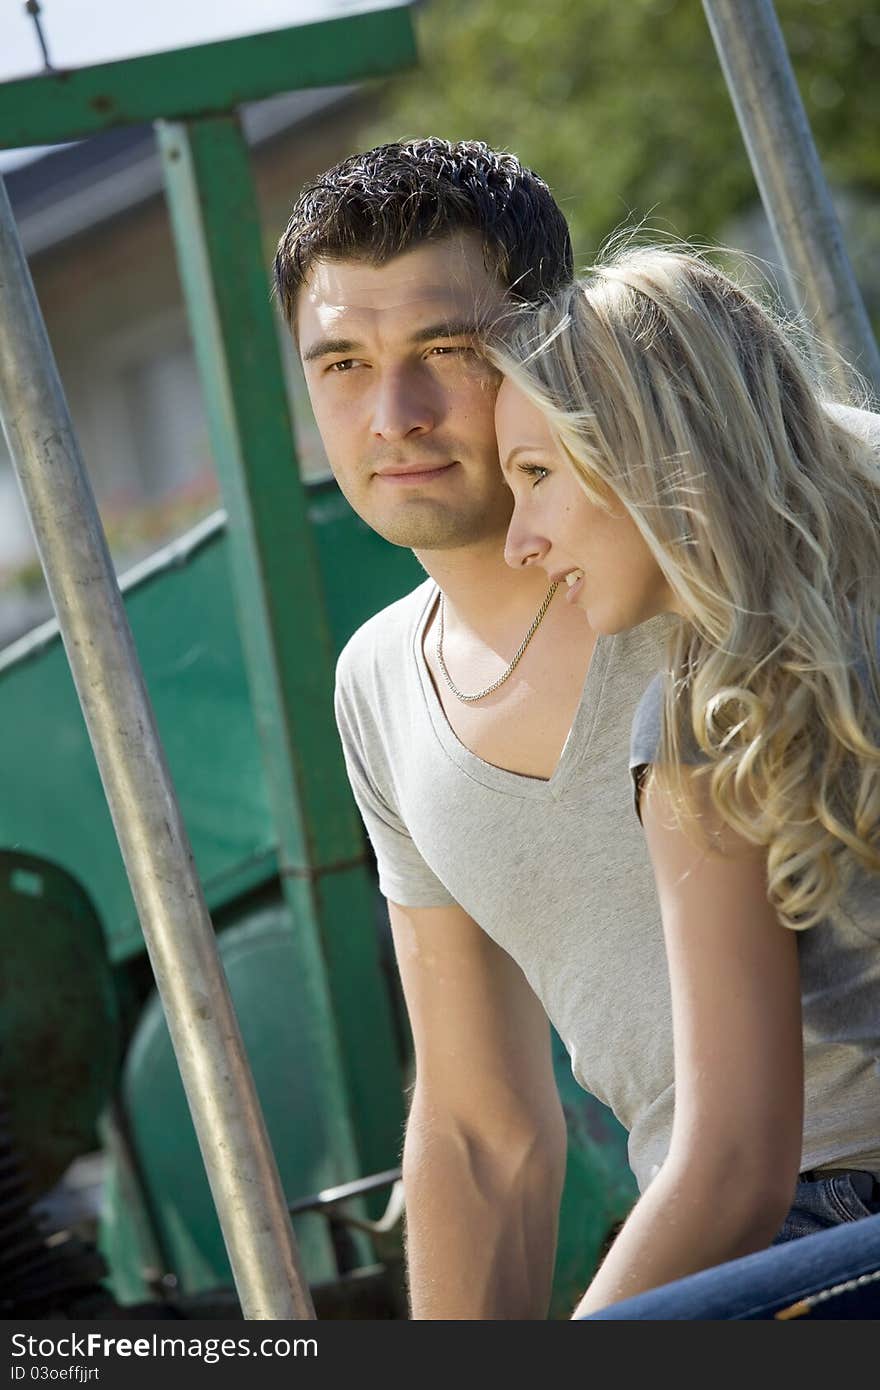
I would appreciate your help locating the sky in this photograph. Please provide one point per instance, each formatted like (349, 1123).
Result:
(80, 32)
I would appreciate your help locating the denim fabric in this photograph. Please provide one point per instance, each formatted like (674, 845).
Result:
(830, 1201)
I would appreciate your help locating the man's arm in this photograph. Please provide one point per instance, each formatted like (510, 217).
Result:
(484, 1157)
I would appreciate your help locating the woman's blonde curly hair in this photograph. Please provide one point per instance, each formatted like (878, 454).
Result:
(666, 382)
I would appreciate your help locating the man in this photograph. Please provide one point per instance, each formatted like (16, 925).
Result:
(485, 727)
(500, 811)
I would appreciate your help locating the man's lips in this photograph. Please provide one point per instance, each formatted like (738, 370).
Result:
(413, 473)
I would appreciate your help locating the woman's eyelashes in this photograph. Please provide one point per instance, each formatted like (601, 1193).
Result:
(536, 471)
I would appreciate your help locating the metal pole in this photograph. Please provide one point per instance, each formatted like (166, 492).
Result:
(793, 188)
(177, 929)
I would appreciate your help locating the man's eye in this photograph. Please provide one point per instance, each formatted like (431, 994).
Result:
(344, 366)
(448, 350)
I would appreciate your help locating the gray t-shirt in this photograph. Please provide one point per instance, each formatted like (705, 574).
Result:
(558, 874)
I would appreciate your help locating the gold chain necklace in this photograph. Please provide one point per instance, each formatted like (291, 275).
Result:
(481, 694)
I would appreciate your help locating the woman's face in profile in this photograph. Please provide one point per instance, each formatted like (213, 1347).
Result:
(598, 552)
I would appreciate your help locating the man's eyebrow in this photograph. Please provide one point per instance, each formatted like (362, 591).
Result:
(324, 347)
(446, 328)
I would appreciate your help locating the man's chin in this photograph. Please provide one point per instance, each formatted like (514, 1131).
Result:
(429, 527)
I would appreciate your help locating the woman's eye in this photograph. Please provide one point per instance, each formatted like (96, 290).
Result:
(535, 471)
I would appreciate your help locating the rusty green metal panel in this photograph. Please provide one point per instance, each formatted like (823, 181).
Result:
(284, 627)
(181, 618)
(70, 105)
(181, 609)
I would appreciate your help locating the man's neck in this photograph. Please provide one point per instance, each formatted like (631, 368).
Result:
(479, 587)
(489, 609)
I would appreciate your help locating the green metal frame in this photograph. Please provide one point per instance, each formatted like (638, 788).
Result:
(69, 105)
(285, 633)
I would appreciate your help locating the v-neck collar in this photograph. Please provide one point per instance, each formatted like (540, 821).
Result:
(498, 778)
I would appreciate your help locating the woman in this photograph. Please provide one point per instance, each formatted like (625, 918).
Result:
(668, 453)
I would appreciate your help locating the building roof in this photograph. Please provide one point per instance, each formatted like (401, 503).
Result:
(58, 195)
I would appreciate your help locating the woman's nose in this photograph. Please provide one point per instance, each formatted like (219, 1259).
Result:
(523, 546)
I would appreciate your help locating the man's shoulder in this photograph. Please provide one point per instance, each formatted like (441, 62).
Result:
(864, 423)
(382, 642)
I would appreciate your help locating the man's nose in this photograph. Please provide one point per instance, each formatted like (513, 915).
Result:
(523, 545)
(402, 406)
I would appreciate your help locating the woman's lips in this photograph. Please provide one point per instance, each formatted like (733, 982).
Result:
(575, 582)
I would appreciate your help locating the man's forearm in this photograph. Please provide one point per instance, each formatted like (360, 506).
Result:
(481, 1224)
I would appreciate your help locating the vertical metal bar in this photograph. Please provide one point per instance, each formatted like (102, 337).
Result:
(158, 858)
(789, 175)
(285, 636)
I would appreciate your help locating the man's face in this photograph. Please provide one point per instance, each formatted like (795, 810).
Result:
(402, 397)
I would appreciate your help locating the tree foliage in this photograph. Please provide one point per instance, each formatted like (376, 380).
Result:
(622, 106)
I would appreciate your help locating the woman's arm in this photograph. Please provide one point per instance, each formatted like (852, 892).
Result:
(729, 1177)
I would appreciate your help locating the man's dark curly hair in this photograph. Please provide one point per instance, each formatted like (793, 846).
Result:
(373, 206)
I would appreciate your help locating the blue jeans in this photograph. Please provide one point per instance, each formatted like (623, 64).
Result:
(835, 1200)
(825, 1263)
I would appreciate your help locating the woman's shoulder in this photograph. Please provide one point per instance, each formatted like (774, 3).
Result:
(647, 723)
(646, 734)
